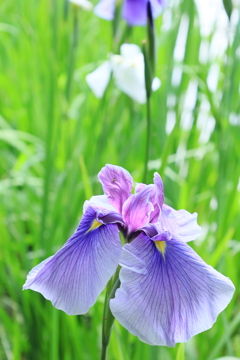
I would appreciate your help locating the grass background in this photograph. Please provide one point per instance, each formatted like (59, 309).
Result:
(55, 136)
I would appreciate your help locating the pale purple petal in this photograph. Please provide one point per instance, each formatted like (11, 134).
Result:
(135, 11)
(74, 277)
(117, 184)
(105, 9)
(167, 299)
(180, 223)
(137, 209)
(99, 202)
(159, 189)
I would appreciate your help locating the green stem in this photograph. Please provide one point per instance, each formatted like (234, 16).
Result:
(104, 352)
(108, 318)
(66, 6)
(149, 129)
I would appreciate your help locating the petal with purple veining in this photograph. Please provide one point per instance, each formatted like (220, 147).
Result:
(180, 223)
(73, 278)
(167, 298)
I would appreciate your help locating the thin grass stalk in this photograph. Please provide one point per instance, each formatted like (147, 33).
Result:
(108, 318)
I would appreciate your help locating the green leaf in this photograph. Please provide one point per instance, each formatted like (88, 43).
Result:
(228, 6)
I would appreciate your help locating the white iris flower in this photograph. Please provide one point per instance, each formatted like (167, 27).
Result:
(128, 73)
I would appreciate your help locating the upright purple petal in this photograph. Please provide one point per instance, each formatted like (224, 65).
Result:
(117, 184)
(159, 189)
(157, 196)
(135, 11)
(139, 187)
(105, 9)
(74, 277)
(180, 223)
(137, 208)
(167, 298)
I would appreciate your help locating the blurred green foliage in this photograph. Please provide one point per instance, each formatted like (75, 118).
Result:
(55, 136)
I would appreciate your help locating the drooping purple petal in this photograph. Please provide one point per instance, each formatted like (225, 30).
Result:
(180, 223)
(116, 183)
(137, 208)
(105, 9)
(74, 277)
(105, 212)
(135, 11)
(167, 299)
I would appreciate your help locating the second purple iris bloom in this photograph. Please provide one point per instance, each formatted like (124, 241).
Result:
(134, 11)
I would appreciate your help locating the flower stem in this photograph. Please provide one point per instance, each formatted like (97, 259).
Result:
(104, 352)
(148, 141)
(108, 318)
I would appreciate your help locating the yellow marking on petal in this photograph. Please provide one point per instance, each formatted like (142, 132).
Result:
(161, 246)
(95, 224)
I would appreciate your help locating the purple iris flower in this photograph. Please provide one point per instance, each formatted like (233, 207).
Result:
(134, 11)
(167, 294)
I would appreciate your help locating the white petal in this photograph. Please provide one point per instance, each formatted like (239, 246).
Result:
(129, 77)
(105, 9)
(129, 51)
(99, 79)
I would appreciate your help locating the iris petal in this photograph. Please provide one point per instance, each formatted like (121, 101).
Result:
(135, 11)
(168, 299)
(105, 9)
(116, 183)
(137, 209)
(74, 277)
(157, 196)
(129, 78)
(159, 189)
(180, 223)
(98, 202)
(98, 79)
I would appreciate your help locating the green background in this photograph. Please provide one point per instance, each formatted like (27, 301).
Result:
(55, 136)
